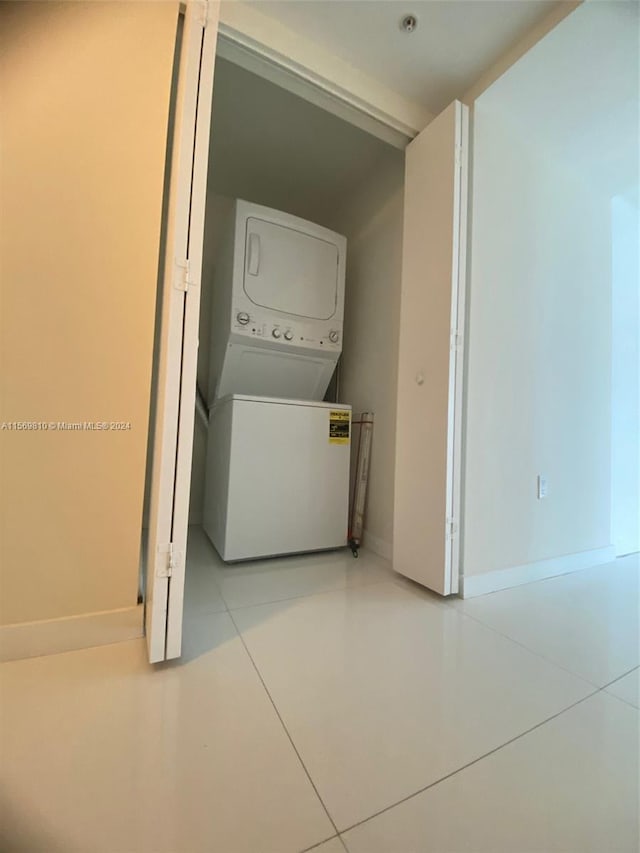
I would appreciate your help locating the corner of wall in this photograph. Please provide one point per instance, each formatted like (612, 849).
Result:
(516, 51)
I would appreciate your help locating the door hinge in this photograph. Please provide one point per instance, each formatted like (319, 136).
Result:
(167, 560)
(182, 279)
(452, 528)
(205, 10)
(455, 340)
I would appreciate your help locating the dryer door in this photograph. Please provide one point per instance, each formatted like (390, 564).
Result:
(290, 271)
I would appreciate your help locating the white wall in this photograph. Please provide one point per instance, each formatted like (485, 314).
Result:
(372, 222)
(539, 360)
(625, 424)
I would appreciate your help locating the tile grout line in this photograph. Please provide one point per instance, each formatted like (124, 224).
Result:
(228, 610)
(549, 661)
(531, 651)
(469, 764)
(295, 597)
(337, 837)
(451, 604)
(339, 833)
(308, 595)
(615, 681)
(620, 699)
(286, 730)
(624, 675)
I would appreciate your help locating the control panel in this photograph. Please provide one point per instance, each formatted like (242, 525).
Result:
(313, 335)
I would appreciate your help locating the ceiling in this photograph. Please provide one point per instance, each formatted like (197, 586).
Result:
(454, 43)
(284, 152)
(576, 94)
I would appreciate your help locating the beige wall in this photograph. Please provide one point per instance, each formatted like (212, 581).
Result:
(539, 357)
(85, 91)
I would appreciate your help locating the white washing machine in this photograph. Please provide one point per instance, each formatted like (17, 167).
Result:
(277, 479)
(277, 306)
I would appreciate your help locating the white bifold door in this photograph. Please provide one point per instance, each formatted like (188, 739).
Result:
(178, 332)
(430, 360)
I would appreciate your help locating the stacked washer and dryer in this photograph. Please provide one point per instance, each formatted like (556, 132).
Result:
(277, 469)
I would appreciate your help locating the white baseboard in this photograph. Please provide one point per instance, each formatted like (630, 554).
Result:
(473, 585)
(378, 546)
(51, 636)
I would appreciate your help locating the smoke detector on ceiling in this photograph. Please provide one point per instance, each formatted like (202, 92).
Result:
(409, 23)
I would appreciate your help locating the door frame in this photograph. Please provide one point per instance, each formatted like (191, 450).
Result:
(173, 419)
(173, 414)
(195, 250)
(260, 59)
(457, 356)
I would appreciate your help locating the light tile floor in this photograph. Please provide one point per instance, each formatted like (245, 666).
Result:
(323, 702)
(627, 688)
(586, 622)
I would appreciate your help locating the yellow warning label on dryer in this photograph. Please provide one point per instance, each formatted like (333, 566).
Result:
(339, 427)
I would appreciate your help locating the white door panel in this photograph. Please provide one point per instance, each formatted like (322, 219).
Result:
(427, 477)
(177, 351)
(190, 335)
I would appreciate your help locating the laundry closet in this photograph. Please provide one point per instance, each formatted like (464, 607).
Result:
(285, 205)
(371, 226)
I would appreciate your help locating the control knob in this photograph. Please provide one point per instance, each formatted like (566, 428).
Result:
(243, 318)
(288, 335)
(276, 333)
(333, 336)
